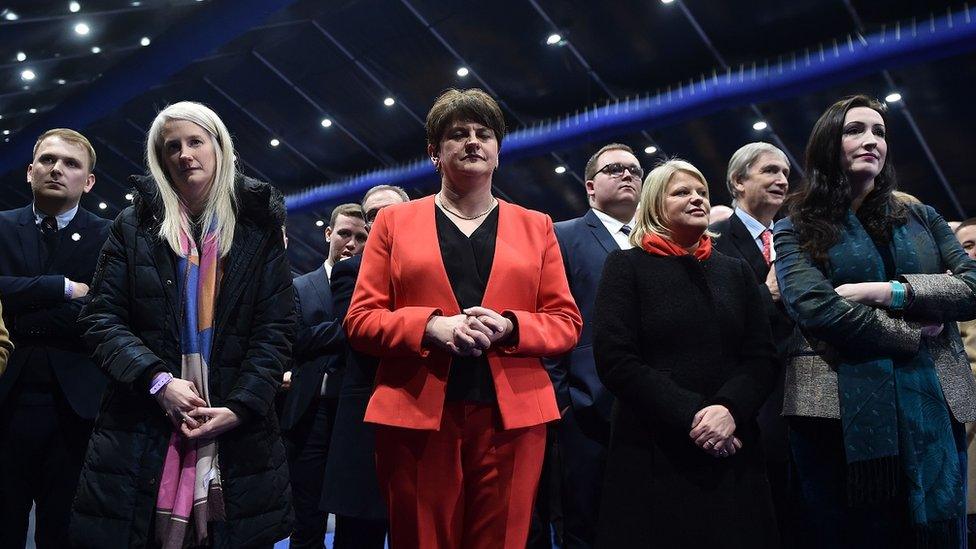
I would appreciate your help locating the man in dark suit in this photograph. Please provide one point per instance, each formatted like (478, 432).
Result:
(758, 180)
(50, 394)
(351, 489)
(312, 390)
(613, 185)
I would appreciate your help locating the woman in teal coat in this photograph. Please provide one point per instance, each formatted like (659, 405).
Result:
(878, 389)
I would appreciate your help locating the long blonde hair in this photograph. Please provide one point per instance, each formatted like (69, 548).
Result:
(650, 217)
(221, 199)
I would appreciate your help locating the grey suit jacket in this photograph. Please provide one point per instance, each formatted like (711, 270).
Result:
(834, 327)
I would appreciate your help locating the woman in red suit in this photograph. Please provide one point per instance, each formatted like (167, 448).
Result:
(460, 295)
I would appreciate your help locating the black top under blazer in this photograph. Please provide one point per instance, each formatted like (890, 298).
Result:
(671, 336)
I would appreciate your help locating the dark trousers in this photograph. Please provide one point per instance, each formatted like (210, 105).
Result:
(42, 447)
(358, 533)
(583, 458)
(547, 513)
(307, 445)
(826, 520)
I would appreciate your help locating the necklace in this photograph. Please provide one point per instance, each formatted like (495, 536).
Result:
(440, 202)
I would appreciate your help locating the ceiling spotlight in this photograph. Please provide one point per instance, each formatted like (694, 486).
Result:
(275, 142)
(32, 110)
(21, 56)
(136, 4)
(462, 72)
(96, 49)
(10, 16)
(27, 74)
(320, 223)
(650, 149)
(760, 126)
(560, 169)
(145, 41)
(102, 205)
(326, 122)
(82, 29)
(62, 81)
(893, 97)
(389, 101)
(128, 196)
(1, 117)
(6, 132)
(74, 7)
(666, 1)
(553, 39)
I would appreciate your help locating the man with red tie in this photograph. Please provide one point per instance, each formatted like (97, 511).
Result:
(758, 180)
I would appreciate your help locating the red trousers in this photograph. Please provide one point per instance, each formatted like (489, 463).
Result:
(469, 485)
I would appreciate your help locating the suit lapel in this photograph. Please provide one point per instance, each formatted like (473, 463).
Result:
(440, 283)
(600, 232)
(68, 242)
(320, 285)
(30, 238)
(747, 247)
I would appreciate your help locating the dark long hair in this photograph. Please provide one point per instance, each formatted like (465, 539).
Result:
(818, 208)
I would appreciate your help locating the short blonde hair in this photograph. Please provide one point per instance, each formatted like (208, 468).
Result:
(650, 216)
(70, 136)
(222, 202)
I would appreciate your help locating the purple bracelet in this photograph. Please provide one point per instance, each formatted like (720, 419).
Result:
(160, 381)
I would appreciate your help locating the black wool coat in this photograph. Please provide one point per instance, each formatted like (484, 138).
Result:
(671, 336)
(132, 325)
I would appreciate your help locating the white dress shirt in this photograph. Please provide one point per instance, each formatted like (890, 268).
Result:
(613, 227)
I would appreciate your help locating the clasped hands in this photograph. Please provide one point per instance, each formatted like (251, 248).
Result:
(713, 430)
(470, 333)
(190, 414)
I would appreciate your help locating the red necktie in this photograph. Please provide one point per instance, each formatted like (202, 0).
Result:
(767, 242)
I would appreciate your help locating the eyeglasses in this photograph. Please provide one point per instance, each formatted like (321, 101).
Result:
(616, 169)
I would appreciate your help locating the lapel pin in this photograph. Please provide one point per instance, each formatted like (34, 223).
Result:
(75, 236)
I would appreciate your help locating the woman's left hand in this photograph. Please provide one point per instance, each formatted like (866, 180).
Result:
(712, 425)
(874, 294)
(213, 422)
(490, 323)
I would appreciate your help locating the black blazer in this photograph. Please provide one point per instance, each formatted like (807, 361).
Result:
(43, 325)
(351, 488)
(585, 244)
(318, 341)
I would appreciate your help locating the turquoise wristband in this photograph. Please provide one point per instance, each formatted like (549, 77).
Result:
(898, 295)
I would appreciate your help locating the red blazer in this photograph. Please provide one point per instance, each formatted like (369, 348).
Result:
(403, 283)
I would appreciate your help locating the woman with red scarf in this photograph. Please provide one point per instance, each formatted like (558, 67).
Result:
(681, 339)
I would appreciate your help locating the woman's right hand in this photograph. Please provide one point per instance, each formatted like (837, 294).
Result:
(453, 334)
(178, 397)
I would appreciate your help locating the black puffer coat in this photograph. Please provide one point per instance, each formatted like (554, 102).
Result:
(132, 327)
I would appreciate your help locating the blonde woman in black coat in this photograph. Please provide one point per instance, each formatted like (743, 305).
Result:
(191, 319)
(682, 340)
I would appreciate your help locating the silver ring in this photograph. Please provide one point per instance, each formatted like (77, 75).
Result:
(709, 444)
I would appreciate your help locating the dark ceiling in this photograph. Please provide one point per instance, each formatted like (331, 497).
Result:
(278, 76)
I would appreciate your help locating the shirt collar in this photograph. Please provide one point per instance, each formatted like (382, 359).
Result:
(610, 223)
(63, 219)
(754, 227)
(328, 269)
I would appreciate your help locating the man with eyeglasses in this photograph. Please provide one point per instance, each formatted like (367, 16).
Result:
(613, 186)
(351, 489)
